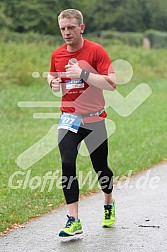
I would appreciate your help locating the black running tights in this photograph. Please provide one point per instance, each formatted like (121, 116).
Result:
(95, 137)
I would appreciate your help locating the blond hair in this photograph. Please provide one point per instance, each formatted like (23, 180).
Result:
(71, 13)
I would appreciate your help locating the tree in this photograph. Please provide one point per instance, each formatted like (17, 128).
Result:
(122, 15)
(5, 21)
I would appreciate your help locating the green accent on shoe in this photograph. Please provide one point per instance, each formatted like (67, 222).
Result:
(109, 215)
(73, 227)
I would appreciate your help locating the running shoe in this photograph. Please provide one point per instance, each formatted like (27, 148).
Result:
(72, 227)
(109, 215)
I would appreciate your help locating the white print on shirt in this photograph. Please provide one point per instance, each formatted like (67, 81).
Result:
(74, 84)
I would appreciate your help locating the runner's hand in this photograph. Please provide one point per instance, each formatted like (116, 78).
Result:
(73, 71)
(56, 84)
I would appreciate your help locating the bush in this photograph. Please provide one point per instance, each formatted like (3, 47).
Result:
(30, 37)
(129, 38)
(157, 39)
(19, 60)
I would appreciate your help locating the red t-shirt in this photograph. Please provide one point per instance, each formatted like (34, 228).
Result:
(79, 97)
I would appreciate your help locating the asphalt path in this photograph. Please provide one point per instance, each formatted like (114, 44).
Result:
(141, 210)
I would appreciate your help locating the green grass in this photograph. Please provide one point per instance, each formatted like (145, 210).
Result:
(139, 141)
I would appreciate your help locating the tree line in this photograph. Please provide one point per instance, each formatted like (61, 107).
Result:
(117, 15)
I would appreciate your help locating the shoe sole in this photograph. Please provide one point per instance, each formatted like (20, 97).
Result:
(108, 226)
(64, 234)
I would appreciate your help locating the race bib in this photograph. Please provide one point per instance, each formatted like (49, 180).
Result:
(70, 122)
(74, 84)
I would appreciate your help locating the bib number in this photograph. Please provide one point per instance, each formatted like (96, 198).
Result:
(70, 122)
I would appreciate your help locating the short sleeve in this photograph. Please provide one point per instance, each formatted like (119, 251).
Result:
(104, 64)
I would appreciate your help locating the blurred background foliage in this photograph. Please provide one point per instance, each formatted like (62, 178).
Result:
(120, 15)
(125, 21)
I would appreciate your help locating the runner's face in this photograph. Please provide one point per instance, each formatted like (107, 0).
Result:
(70, 30)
